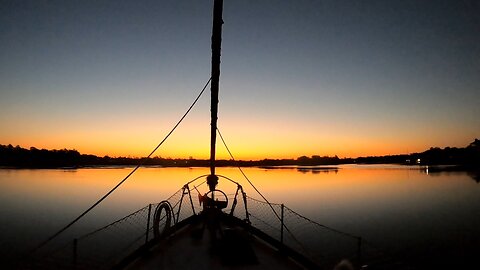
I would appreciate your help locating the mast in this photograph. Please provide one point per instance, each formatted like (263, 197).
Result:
(212, 180)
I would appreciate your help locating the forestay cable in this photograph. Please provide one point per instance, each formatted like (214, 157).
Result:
(141, 163)
(244, 175)
(258, 191)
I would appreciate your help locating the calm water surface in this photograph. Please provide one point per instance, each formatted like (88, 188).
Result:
(397, 208)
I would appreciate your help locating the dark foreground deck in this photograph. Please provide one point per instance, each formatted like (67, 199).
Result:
(193, 247)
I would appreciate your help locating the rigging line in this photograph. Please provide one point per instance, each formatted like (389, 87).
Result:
(269, 204)
(141, 163)
(244, 175)
(324, 226)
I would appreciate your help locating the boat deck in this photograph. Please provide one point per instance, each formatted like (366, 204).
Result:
(194, 248)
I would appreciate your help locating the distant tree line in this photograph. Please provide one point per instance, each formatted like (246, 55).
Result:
(467, 156)
(17, 156)
(33, 157)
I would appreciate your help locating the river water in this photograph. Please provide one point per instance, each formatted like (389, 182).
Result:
(401, 209)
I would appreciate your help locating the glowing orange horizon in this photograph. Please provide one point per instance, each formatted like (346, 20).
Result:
(240, 151)
(285, 138)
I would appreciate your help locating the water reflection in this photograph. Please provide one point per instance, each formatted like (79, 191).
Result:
(452, 170)
(396, 207)
(317, 170)
(475, 176)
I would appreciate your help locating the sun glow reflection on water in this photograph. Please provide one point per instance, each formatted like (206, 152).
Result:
(393, 206)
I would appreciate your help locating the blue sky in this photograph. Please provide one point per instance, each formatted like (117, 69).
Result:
(297, 77)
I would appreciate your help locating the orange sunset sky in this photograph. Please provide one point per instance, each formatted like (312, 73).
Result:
(297, 78)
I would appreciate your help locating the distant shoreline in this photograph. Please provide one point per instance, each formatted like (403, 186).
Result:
(313, 168)
(462, 159)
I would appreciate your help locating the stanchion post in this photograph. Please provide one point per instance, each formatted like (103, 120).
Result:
(148, 222)
(75, 252)
(282, 223)
(359, 251)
